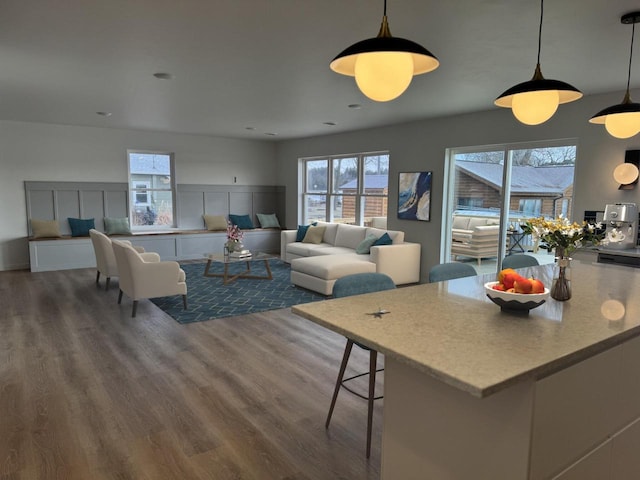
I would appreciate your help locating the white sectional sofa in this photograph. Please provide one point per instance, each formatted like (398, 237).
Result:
(475, 237)
(316, 266)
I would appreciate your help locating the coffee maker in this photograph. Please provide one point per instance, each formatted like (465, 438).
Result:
(621, 226)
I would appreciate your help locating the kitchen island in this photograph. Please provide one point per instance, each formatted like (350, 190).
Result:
(475, 393)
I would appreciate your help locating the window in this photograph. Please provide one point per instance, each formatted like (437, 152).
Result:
(530, 207)
(345, 189)
(508, 184)
(151, 189)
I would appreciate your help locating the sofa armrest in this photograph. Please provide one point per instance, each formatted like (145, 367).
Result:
(286, 237)
(400, 261)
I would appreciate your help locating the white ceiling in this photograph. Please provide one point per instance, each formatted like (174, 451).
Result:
(264, 64)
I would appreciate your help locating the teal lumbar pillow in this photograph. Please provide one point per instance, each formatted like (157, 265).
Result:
(365, 245)
(117, 226)
(80, 226)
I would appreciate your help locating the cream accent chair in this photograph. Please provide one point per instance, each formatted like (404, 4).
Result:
(105, 260)
(140, 278)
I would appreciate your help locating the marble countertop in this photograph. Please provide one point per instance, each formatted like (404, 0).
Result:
(452, 331)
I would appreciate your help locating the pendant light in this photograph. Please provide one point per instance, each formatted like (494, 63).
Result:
(384, 66)
(534, 102)
(623, 120)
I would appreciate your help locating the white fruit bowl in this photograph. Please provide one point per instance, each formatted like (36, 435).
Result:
(522, 302)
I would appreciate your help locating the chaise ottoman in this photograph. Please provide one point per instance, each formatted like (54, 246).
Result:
(320, 272)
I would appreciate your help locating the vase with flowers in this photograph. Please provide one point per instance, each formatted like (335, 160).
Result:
(234, 239)
(561, 236)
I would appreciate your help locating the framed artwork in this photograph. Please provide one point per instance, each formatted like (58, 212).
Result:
(414, 196)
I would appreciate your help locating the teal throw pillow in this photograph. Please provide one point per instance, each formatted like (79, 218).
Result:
(117, 226)
(302, 231)
(268, 220)
(383, 240)
(243, 222)
(364, 246)
(80, 226)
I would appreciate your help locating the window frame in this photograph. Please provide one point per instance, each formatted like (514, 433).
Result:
(134, 191)
(331, 194)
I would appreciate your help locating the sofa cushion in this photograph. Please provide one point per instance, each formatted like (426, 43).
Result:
(481, 222)
(314, 234)
(349, 235)
(302, 231)
(396, 236)
(383, 240)
(330, 232)
(331, 250)
(334, 266)
(460, 222)
(365, 245)
(305, 249)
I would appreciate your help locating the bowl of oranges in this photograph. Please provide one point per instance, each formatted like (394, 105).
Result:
(513, 292)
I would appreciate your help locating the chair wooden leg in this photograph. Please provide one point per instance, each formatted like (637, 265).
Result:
(98, 277)
(184, 301)
(343, 367)
(120, 298)
(373, 360)
(106, 287)
(134, 308)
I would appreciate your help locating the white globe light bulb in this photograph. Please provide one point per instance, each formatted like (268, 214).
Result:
(623, 125)
(383, 76)
(534, 108)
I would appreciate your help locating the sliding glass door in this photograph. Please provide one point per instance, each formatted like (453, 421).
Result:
(498, 188)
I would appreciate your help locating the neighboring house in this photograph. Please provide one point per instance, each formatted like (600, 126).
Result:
(535, 191)
(377, 186)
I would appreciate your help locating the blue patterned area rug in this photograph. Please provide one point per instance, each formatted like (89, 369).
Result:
(208, 298)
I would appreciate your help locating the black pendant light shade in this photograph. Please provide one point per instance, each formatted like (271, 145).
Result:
(535, 101)
(622, 120)
(384, 65)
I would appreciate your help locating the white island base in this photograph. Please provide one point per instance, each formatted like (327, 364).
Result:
(581, 423)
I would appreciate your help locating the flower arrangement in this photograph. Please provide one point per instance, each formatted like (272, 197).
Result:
(560, 234)
(234, 234)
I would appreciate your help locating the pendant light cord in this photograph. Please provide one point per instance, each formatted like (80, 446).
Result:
(539, 29)
(385, 8)
(633, 33)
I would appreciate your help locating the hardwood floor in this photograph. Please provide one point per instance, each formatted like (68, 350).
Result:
(87, 392)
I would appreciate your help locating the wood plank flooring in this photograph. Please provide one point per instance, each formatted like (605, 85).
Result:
(87, 392)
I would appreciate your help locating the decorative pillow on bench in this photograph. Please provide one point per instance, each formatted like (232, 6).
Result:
(117, 226)
(243, 222)
(215, 222)
(45, 228)
(268, 220)
(80, 226)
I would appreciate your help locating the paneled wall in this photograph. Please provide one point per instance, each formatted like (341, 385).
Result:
(60, 200)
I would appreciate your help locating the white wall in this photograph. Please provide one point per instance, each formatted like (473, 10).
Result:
(420, 146)
(30, 151)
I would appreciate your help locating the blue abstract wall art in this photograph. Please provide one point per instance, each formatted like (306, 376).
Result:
(414, 196)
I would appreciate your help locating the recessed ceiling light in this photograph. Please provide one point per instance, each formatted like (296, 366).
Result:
(164, 76)
(331, 124)
(249, 128)
(271, 134)
(104, 114)
(355, 106)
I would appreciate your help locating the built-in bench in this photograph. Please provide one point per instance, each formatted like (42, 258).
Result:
(67, 252)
